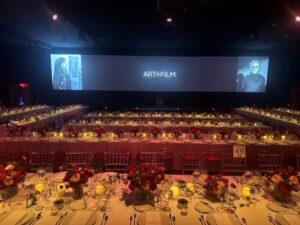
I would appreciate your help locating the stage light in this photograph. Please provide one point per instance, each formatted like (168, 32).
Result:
(169, 20)
(55, 17)
(297, 18)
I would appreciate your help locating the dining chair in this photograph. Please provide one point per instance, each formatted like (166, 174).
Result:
(191, 161)
(79, 158)
(232, 165)
(270, 161)
(116, 161)
(298, 162)
(157, 158)
(41, 159)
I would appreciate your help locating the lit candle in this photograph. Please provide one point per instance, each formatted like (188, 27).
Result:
(265, 137)
(246, 192)
(144, 135)
(239, 137)
(39, 187)
(175, 192)
(61, 134)
(283, 137)
(214, 136)
(164, 135)
(99, 189)
(84, 134)
(61, 189)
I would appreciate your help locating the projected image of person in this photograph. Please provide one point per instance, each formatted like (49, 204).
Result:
(254, 81)
(61, 78)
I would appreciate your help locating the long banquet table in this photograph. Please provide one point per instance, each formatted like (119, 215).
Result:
(23, 112)
(272, 121)
(22, 145)
(166, 127)
(73, 111)
(118, 213)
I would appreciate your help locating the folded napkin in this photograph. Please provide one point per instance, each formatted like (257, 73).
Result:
(32, 180)
(152, 218)
(14, 218)
(291, 219)
(47, 220)
(80, 216)
(58, 177)
(221, 219)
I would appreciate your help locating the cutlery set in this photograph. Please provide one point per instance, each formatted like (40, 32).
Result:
(172, 219)
(133, 217)
(202, 220)
(104, 219)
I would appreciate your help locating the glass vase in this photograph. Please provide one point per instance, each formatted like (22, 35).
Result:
(78, 192)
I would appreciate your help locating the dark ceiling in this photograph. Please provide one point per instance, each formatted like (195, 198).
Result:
(141, 24)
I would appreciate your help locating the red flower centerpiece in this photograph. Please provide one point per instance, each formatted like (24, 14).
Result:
(281, 183)
(120, 133)
(99, 131)
(143, 178)
(216, 187)
(155, 131)
(196, 132)
(76, 178)
(10, 176)
(176, 133)
(134, 130)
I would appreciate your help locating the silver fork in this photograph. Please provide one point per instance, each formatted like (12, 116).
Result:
(38, 216)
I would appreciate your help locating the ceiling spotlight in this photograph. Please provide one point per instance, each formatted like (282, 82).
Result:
(169, 20)
(55, 17)
(297, 18)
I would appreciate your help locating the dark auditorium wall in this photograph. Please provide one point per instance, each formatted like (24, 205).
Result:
(24, 64)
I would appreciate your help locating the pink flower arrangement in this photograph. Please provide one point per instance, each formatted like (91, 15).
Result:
(144, 176)
(215, 186)
(99, 131)
(155, 131)
(78, 175)
(11, 175)
(282, 183)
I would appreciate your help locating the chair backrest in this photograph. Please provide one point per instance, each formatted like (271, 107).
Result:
(231, 165)
(41, 159)
(4, 157)
(270, 161)
(116, 161)
(79, 158)
(298, 162)
(191, 160)
(156, 158)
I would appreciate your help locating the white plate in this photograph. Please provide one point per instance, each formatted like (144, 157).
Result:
(92, 219)
(143, 208)
(202, 208)
(275, 207)
(163, 218)
(281, 220)
(232, 219)
(29, 216)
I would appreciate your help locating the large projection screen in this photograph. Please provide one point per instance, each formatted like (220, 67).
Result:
(159, 73)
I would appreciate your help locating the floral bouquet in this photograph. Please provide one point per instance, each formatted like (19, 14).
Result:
(120, 133)
(10, 176)
(155, 131)
(216, 187)
(76, 178)
(281, 183)
(144, 178)
(99, 131)
(196, 132)
(176, 133)
(134, 130)
(43, 130)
